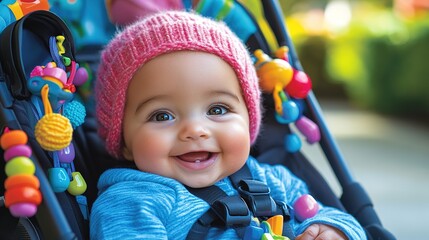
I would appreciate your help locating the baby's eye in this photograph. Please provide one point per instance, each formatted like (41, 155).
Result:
(161, 116)
(218, 110)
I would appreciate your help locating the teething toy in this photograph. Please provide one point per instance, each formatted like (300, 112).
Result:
(22, 194)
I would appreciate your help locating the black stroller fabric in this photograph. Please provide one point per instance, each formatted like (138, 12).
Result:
(24, 44)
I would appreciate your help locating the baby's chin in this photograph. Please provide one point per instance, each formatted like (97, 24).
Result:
(199, 183)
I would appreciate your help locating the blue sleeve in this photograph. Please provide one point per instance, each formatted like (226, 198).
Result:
(295, 187)
(131, 214)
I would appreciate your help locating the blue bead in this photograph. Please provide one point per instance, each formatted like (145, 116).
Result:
(292, 143)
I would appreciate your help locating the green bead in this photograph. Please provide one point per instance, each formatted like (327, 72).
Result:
(20, 165)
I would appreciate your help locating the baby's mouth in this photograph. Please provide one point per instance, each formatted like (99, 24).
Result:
(197, 160)
(195, 156)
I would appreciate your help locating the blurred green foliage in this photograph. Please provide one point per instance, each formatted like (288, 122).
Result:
(382, 60)
(379, 61)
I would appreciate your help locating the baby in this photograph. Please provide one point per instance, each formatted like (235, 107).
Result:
(178, 95)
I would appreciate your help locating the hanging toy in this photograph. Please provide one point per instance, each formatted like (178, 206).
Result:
(288, 86)
(53, 131)
(22, 195)
(274, 76)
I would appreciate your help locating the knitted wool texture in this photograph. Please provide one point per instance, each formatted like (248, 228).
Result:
(159, 34)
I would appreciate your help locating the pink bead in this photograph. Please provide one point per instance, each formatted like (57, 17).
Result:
(17, 151)
(305, 207)
(23, 209)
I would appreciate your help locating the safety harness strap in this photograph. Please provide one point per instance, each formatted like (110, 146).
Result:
(236, 211)
(225, 211)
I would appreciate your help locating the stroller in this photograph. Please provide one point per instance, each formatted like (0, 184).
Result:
(64, 214)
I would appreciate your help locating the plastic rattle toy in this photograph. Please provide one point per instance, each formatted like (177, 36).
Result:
(287, 86)
(22, 194)
(274, 75)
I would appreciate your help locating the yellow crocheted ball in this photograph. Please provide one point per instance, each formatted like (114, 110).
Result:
(53, 132)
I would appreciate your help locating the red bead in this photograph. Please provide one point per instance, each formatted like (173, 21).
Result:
(22, 195)
(299, 86)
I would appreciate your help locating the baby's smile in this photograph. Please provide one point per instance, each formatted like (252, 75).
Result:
(197, 160)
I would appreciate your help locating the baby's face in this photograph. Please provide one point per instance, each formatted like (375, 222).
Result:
(185, 118)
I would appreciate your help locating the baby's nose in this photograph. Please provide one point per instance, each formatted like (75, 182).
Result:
(193, 130)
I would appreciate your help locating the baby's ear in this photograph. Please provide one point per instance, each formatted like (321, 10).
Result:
(127, 154)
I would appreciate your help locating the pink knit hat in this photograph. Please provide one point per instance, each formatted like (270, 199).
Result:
(159, 34)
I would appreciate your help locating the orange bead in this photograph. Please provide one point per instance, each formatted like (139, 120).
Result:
(12, 138)
(22, 195)
(22, 180)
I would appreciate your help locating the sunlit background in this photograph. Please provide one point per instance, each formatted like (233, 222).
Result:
(373, 53)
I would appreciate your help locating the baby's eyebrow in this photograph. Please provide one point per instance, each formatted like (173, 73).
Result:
(150, 99)
(225, 93)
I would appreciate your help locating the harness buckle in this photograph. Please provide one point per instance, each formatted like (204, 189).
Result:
(232, 210)
(256, 194)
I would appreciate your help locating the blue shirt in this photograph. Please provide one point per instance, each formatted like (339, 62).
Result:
(133, 204)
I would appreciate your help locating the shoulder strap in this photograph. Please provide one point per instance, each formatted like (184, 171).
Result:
(234, 211)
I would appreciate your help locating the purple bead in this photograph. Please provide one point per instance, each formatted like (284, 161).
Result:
(67, 154)
(80, 77)
(23, 209)
(309, 129)
(17, 151)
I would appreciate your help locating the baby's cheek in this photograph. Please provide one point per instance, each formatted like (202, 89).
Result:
(149, 147)
(237, 140)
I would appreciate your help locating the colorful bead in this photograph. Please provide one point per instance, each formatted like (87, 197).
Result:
(59, 179)
(77, 185)
(305, 207)
(22, 195)
(13, 138)
(16, 151)
(20, 165)
(67, 154)
(23, 209)
(21, 180)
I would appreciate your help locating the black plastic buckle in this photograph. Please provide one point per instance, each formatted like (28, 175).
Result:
(258, 199)
(232, 210)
